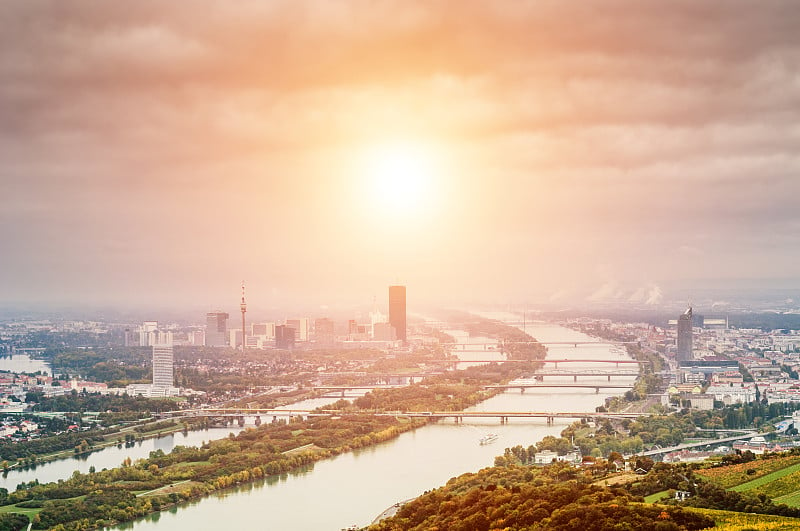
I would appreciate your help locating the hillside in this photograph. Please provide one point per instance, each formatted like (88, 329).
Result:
(775, 476)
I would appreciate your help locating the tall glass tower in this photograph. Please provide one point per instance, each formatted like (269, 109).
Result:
(685, 336)
(397, 311)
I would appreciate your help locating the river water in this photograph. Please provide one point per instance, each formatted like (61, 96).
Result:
(113, 456)
(23, 363)
(354, 488)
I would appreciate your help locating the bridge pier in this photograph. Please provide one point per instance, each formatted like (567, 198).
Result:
(575, 378)
(522, 390)
(258, 421)
(549, 421)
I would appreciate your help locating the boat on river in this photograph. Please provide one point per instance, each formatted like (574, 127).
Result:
(489, 438)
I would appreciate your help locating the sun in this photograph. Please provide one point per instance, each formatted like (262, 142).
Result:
(400, 177)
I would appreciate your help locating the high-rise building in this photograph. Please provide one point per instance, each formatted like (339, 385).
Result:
(383, 332)
(216, 329)
(284, 337)
(163, 366)
(685, 336)
(324, 331)
(397, 311)
(301, 328)
(265, 330)
(234, 338)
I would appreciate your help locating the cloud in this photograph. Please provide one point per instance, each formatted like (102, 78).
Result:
(607, 291)
(638, 134)
(654, 296)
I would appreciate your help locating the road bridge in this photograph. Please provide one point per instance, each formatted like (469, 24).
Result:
(459, 416)
(344, 388)
(574, 374)
(379, 375)
(625, 361)
(499, 344)
(595, 386)
(686, 446)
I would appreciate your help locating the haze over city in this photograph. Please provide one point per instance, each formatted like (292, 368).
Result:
(154, 155)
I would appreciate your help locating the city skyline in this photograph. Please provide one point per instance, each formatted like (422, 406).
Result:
(152, 155)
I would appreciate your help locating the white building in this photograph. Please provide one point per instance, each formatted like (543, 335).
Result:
(733, 394)
(163, 372)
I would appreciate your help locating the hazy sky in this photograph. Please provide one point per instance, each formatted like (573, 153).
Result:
(159, 153)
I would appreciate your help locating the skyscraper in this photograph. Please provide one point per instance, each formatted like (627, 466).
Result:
(162, 366)
(685, 336)
(301, 328)
(216, 329)
(324, 331)
(284, 337)
(397, 311)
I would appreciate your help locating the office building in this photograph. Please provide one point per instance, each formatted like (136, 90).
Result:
(163, 366)
(284, 337)
(216, 329)
(301, 328)
(234, 338)
(383, 332)
(324, 331)
(685, 336)
(397, 311)
(263, 330)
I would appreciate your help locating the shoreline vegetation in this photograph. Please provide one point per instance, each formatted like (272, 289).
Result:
(108, 497)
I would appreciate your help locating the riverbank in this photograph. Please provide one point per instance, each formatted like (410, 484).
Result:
(116, 438)
(271, 449)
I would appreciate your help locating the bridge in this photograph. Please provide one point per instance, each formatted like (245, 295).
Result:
(607, 374)
(595, 386)
(554, 362)
(459, 416)
(615, 362)
(709, 442)
(499, 344)
(344, 388)
(378, 375)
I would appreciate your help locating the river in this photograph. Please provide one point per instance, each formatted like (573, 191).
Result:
(352, 489)
(23, 363)
(113, 456)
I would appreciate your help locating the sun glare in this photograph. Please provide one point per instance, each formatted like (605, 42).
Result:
(400, 178)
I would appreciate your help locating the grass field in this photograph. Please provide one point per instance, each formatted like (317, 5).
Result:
(731, 521)
(657, 497)
(14, 509)
(778, 483)
(792, 500)
(732, 475)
